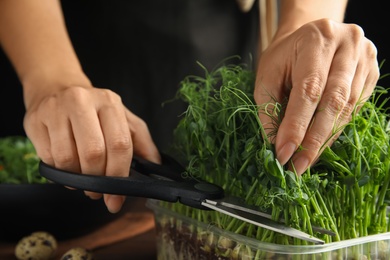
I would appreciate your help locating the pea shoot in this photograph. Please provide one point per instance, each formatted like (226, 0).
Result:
(19, 161)
(221, 139)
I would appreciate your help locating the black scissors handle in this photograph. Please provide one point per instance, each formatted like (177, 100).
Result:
(147, 180)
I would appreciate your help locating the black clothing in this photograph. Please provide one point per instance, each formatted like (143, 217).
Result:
(143, 49)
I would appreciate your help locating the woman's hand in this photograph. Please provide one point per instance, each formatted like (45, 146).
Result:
(88, 130)
(324, 69)
(72, 125)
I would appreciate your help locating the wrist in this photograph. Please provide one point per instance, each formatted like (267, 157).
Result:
(37, 86)
(296, 13)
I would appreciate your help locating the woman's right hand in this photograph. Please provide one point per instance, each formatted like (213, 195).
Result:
(88, 130)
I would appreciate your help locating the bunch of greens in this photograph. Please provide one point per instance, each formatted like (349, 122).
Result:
(18, 161)
(221, 139)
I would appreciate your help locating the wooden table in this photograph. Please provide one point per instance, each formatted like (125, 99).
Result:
(141, 245)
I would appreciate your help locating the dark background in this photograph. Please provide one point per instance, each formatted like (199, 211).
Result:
(372, 16)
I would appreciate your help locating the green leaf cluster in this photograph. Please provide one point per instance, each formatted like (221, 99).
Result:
(221, 139)
(18, 161)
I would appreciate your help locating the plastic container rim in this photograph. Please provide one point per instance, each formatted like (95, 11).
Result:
(270, 247)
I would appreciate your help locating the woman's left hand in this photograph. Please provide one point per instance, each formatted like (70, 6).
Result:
(324, 69)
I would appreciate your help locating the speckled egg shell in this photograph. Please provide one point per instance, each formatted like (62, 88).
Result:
(78, 253)
(47, 236)
(35, 247)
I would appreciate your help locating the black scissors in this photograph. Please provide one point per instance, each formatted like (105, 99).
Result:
(167, 182)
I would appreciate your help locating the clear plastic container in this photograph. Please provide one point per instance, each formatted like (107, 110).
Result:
(180, 237)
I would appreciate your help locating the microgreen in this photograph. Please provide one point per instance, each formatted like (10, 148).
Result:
(18, 161)
(220, 139)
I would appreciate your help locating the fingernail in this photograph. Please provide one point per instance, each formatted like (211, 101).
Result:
(301, 164)
(93, 195)
(114, 203)
(286, 152)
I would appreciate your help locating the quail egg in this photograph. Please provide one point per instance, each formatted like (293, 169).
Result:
(47, 236)
(78, 253)
(37, 246)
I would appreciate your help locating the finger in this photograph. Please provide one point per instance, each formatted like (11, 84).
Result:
(309, 75)
(333, 112)
(143, 144)
(119, 149)
(369, 69)
(363, 83)
(362, 87)
(343, 91)
(63, 146)
(88, 136)
(268, 92)
(337, 102)
(38, 134)
(52, 137)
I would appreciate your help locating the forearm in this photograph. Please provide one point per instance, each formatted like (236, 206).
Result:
(34, 37)
(295, 13)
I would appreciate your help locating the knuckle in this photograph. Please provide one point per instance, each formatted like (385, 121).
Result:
(63, 158)
(296, 130)
(50, 103)
(45, 156)
(312, 88)
(348, 110)
(80, 95)
(326, 27)
(77, 96)
(352, 101)
(375, 74)
(371, 84)
(337, 101)
(371, 50)
(119, 144)
(94, 152)
(322, 31)
(356, 32)
(142, 125)
(138, 126)
(76, 93)
(314, 141)
(109, 95)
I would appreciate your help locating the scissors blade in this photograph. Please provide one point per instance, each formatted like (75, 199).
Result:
(260, 221)
(232, 202)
